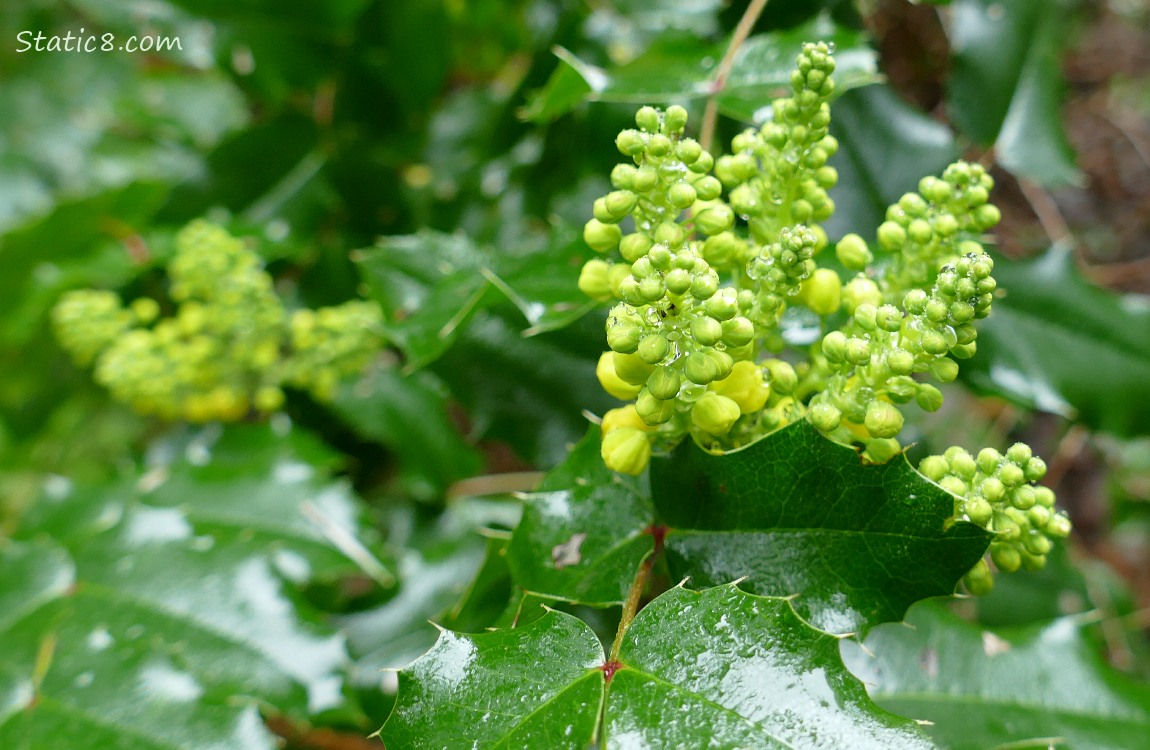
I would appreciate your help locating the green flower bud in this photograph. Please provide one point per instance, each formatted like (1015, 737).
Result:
(738, 331)
(652, 410)
(611, 382)
(978, 510)
(145, 309)
(928, 397)
(629, 143)
(1006, 557)
(714, 414)
(1011, 475)
(669, 233)
(961, 463)
(601, 237)
(706, 330)
(723, 248)
(623, 335)
(1019, 453)
(723, 362)
(992, 487)
(865, 316)
(860, 290)
(783, 378)
(822, 292)
(652, 289)
(682, 195)
(883, 420)
(852, 252)
(880, 451)
(659, 145)
(653, 348)
(1023, 497)
(664, 382)
(825, 417)
(678, 281)
(722, 306)
(891, 236)
(647, 118)
(594, 281)
(623, 176)
(715, 219)
(1058, 527)
(1035, 469)
(986, 216)
(858, 351)
(675, 119)
(934, 468)
(919, 231)
(1044, 496)
(620, 203)
(900, 362)
(704, 286)
(943, 370)
(646, 178)
(631, 368)
(689, 151)
(988, 461)
(700, 368)
(626, 450)
(899, 388)
(835, 347)
(979, 580)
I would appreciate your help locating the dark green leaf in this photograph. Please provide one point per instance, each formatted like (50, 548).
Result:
(1005, 86)
(717, 668)
(584, 533)
(683, 68)
(1057, 343)
(885, 148)
(409, 415)
(1026, 687)
(799, 515)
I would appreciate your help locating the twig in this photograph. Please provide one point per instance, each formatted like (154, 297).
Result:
(1047, 211)
(742, 31)
(635, 595)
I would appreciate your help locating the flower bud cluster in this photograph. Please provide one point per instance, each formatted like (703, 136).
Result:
(1000, 493)
(871, 362)
(229, 347)
(924, 229)
(778, 176)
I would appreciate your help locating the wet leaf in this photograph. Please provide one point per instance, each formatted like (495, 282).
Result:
(798, 515)
(140, 631)
(718, 668)
(681, 69)
(584, 533)
(1027, 687)
(1005, 86)
(1057, 343)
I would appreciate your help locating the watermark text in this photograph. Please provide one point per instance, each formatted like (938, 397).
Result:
(38, 41)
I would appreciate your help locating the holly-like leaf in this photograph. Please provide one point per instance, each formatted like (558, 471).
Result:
(679, 69)
(799, 515)
(885, 148)
(175, 608)
(717, 668)
(1057, 343)
(1005, 86)
(1035, 686)
(584, 533)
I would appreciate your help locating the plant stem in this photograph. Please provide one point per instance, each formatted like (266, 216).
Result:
(635, 594)
(742, 31)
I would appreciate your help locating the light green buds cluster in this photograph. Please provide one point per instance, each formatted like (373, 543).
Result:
(1000, 493)
(925, 229)
(779, 271)
(227, 349)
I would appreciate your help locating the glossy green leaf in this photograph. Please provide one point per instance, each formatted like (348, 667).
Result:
(584, 533)
(409, 415)
(1057, 343)
(1024, 687)
(681, 68)
(717, 668)
(1005, 86)
(798, 515)
(175, 608)
(885, 148)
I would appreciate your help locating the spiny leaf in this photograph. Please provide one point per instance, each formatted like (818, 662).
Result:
(1031, 686)
(584, 533)
(798, 515)
(1057, 343)
(717, 668)
(157, 592)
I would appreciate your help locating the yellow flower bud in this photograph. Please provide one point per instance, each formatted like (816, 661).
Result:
(714, 414)
(611, 382)
(822, 291)
(626, 450)
(624, 416)
(744, 386)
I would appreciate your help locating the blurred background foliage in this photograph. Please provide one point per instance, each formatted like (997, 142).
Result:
(440, 156)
